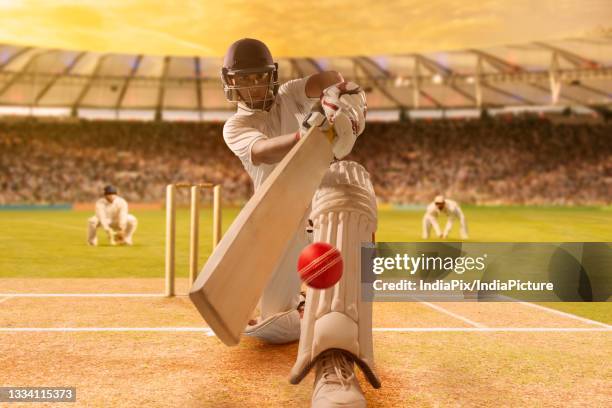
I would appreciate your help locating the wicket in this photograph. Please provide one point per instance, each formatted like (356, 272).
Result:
(193, 228)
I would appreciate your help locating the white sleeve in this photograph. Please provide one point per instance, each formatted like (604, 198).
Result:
(296, 91)
(123, 213)
(453, 209)
(454, 212)
(449, 226)
(240, 138)
(431, 210)
(463, 224)
(101, 214)
(459, 214)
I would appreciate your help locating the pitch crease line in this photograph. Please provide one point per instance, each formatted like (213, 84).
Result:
(93, 295)
(565, 314)
(210, 333)
(4, 298)
(205, 330)
(491, 329)
(455, 315)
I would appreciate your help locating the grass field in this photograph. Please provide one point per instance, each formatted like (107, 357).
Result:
(52, 244)
(427, 354)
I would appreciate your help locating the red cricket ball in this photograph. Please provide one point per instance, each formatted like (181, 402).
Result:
(320, 265)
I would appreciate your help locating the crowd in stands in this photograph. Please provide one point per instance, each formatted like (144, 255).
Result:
(71, 162)
(496, 161)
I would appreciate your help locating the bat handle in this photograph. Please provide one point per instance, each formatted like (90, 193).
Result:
(317, 107)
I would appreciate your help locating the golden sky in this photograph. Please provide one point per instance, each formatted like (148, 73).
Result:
(296, 28)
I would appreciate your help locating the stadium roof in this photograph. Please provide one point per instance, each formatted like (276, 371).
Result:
(574, 72)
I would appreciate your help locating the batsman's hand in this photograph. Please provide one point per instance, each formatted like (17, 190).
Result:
(315, 118)
(345, 107)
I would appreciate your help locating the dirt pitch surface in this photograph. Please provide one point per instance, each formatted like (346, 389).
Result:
(147, 350)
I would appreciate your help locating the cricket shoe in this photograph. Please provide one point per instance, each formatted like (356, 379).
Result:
(93, 242)
(283, 327)
(336, 385)
(280, 328)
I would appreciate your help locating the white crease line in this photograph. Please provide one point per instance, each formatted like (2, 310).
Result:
(565, 314)
(210, 333)
(452, 314)
(489, 329)
(8, 296)
(85, 295)
(5, 298)
(204, 330)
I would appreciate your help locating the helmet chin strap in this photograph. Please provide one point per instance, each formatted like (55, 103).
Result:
(267, 104)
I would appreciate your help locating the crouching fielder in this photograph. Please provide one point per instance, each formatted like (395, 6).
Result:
(336, 329)
(112, 215)
(452, 211)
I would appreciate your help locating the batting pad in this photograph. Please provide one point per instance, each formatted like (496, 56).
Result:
(344, 215)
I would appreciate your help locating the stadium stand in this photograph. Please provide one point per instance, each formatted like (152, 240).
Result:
(518, 160)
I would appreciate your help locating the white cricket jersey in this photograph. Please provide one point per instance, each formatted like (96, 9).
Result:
(245, 128)
(451, 208)
(112, 213)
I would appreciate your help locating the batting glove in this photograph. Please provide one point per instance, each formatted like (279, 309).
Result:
(314, 119)
(345, 108)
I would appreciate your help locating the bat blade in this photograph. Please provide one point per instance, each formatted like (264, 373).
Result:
(229, 286)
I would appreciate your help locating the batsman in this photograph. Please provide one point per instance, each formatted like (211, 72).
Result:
(266, 132)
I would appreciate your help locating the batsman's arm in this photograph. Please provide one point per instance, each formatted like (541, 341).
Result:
(317, 83)
(272, 150)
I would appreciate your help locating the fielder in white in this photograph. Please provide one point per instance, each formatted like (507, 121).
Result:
(112, 215)
(452, 211)
(336, 330)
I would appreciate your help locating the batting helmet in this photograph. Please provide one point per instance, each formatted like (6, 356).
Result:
(250, 75)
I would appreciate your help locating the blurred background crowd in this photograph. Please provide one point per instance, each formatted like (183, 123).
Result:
(523, 160)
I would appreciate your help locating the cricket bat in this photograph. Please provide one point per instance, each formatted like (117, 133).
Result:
(229, 286)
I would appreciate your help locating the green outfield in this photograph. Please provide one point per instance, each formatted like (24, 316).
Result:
(52, 244)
